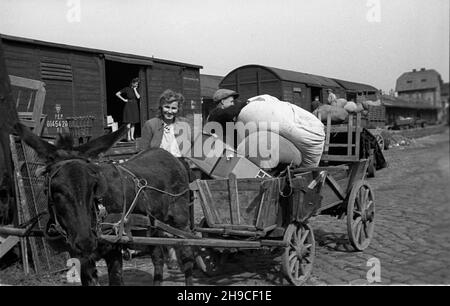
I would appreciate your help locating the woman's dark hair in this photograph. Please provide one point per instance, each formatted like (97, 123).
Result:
(169, 96)
(134, 80)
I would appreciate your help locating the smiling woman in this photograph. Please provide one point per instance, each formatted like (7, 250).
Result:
(168, 131)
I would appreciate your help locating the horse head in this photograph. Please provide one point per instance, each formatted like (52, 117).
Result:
(74, 183)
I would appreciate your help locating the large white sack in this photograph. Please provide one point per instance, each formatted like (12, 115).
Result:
(337, 114)
(341, 102)
(351, 107)
(297, 125)
(268, 149)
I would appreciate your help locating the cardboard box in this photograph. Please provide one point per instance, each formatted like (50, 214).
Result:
(218, 159)
(239, 166)
(206, 152)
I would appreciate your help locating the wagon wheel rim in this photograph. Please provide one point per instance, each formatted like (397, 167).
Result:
(360, 215)
(298, 256)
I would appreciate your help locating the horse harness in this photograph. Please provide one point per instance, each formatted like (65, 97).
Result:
(98, 209)
(140, 185)
(56, 227)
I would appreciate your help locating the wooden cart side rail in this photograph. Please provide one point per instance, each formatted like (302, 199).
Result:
(227, 231)
(206, 242)
(207, 202)
(234, 200)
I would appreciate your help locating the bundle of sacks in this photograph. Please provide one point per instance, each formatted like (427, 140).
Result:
(338, 110)
(281, 131)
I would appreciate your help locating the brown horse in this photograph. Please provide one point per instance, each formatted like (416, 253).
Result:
(76, 184)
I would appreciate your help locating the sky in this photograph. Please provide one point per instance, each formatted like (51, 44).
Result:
(367, 41)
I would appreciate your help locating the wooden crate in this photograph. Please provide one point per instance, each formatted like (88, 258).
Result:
(239, 206)
(376, 116)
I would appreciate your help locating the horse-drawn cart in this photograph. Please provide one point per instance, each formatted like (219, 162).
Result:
(270, 213)
(256, 213)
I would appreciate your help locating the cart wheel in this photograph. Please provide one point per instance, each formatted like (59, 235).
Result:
(298, 257)
(208, 260)
(360, 215)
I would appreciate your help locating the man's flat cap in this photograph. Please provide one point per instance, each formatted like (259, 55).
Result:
(223, 94)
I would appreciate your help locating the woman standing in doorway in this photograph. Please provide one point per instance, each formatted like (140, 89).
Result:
(131, 109)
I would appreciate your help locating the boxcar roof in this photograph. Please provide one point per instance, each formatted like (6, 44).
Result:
(306, 78)
(111, 54)
(356, 87)
(295, 76)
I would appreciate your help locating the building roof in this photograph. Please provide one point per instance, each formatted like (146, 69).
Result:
(418, 80)
(394, 102)
(356, 87)
(209, 84)
(306, 78)
(123, 57)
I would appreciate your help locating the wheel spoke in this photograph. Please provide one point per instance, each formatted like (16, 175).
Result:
(295, 238)
(304, 237)
(306, 258)
(301, 269)
(358, 230)
(365, 230)
(292, 263)
(292, 256)
(370, 211)
(360, 199)
(366, 196)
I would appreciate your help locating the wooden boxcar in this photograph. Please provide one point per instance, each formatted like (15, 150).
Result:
(295, 87)
(82, 81)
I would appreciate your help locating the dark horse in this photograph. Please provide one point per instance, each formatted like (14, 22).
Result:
(76, 185)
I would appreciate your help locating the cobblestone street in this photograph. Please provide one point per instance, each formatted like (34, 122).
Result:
(412, 234)
(411, 240)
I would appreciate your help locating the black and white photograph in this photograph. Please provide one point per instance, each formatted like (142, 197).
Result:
(245, 144)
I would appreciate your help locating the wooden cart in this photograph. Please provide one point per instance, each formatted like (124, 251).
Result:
(274, 212)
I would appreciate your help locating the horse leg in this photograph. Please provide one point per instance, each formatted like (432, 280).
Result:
(185, 257)
(114, 263)
(88, 272)
(158, 264)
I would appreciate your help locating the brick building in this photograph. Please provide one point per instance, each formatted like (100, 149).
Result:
(422, 86)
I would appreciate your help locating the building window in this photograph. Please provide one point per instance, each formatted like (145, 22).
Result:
(423, 80)
(409, 82)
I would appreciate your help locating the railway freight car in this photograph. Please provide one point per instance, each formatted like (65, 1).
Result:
(82, 81)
